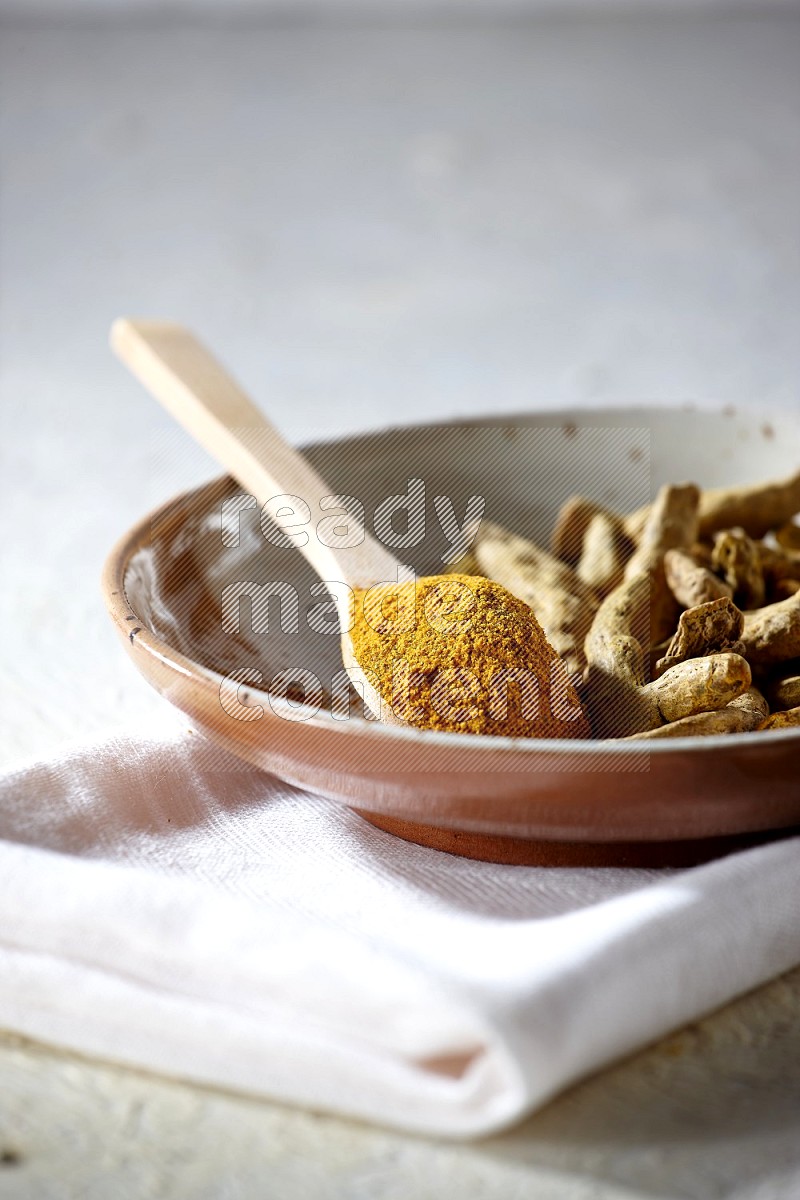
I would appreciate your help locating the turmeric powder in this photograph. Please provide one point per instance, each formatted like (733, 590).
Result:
(461, 653)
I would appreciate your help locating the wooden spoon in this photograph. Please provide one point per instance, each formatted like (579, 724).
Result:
(202, 397)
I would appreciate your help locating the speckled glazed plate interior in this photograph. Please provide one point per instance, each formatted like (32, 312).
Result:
(509, 800)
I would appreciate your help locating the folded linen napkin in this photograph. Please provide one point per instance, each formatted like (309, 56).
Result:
(164, 905)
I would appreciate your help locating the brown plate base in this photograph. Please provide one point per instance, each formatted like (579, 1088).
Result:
(523, 852)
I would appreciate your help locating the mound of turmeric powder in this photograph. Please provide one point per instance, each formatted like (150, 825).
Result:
(459, 652)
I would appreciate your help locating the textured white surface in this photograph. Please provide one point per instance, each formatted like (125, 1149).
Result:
(707, 1114)
(377, 226)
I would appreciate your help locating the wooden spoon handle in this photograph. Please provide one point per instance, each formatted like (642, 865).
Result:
(201, 396)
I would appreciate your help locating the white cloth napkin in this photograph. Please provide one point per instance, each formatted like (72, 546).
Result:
(164, 905)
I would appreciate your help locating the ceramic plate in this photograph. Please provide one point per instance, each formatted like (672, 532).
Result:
(514, 800)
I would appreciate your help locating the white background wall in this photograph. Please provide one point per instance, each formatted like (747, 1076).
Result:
(375, 9)
(372, 226)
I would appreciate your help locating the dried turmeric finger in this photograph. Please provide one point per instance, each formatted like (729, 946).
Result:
(704, 629)
(757, 507)
(671, 524)
(772, 634)
(633, 523)
(753, 702)
(781, 569)
(606, 549)
(742, 715)
(566, 541)
(700, 685)
(562, 603)
(778, 562)
(615, 671)
(676, 506)
(788, 719)
(783, 690)
(690, 581)
(737, 557)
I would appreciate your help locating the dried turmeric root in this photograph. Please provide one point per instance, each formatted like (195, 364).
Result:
(746, 713)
